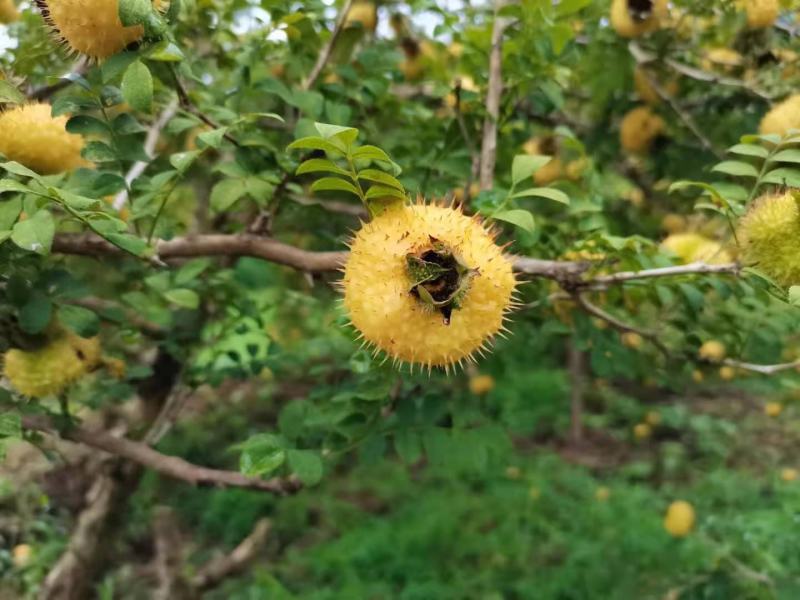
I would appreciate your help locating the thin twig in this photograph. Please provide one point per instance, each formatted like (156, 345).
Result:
(216, 570)
(150, 143)
(695, 268)
(763, 369)
(327, 49)
(493, 96)
(44, 93)
(187, 105)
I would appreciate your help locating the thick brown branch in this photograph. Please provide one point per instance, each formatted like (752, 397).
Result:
(216, 570)
(171, 466)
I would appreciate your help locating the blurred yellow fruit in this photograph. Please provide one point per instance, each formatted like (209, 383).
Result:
(513, 472)
(460, 197)
(693, 247)
(602, 494)
(727, 373)
(789, 474)
(724, 59)
(412, 68)
(653, 418)
(21, 555)
(639, 128)
(8, 11)
(712, 351)
(631, 339)
(761, 13)
(647, 92)
(629, 20)
(782, 117)
(481, 384)
(674, 223)
(642, 431)
(680, 518)
(455, 49)
(545, 146)
(363, 13)
(773, 409)
(278, 70)
(697, 376)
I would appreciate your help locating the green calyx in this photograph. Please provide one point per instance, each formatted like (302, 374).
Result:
(439, 277)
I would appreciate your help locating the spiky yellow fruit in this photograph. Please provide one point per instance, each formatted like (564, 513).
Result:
(789, 474)
(363, 13)
(680, 518)
(712, 350)
(782, 117)
(693, 247)
(639, 129)
(761, 13)
(481, 384)
(727, 373)
(653, 418)
(602, 494)
(697, 376)
(91, 27)
(724, 59)
(8, 11)
(53, 367)
(773, 409)
(642, 431)
(631, 340)
(30, 136)
(632, 19)
(768, 234)
(427, 285)
(21, 555)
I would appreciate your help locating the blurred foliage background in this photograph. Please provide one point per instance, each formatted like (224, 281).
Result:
(547, 469)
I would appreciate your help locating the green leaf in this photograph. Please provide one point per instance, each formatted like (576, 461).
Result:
(126, 124)
(10, 425)
(81, 320)
(9, 212)
(381, 191)
(98, 152)
(4, 235)
(214, 137)
(35, 315)
(791, 155)
(183, 160)
(370, 153)
(225, 194)
(75, 201)
(10, 94)
(36, 233)
(381, 177)
(18, 169)
(521, 218)
(525, 165)
(316, 165)
(261, 454)
(787, 177)
(569, 7)
(12, 185)
(130, 243)
(737, 168)
(794, 295)
(408, 445)
(334, 184)
(134, 12)
(347, 135)
(544, 192)
(307, 465)
(165, 51)
(137, 85)
(315, 143)
(749, 150)
(560, 34)
(183, 297)
(86, 125)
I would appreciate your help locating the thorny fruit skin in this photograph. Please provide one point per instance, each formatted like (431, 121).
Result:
(761, 13)
(377, 286)
(639, 128)
(91, 27)
(768, 234)
(782, 117)
(30, 136)
(680, 518)
(633, 18)
(49, 370)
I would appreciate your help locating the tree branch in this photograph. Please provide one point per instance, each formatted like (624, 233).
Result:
(618, 324)
(216, 570)
(327, 49)
(695, 268)
(171, 466)
(493, 95)
(763, 369)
